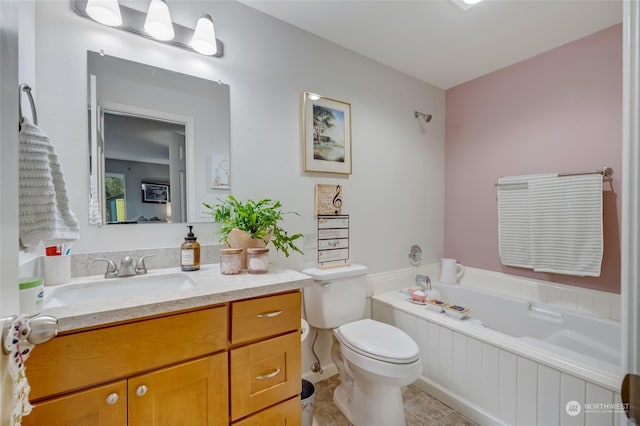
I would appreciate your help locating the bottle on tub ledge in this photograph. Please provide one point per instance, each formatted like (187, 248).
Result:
(190, 252)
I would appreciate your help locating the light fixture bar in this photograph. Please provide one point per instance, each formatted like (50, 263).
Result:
(466, 4)
(133, 22)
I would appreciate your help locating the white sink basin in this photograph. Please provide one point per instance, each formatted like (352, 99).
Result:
(113, 289)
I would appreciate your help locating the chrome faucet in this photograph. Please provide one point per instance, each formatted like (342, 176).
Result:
(424, 282)
(126, 266)
(141, 268)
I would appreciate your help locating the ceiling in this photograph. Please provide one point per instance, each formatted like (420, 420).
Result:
(439, 43)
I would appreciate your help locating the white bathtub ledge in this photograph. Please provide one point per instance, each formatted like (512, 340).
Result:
(471, 328)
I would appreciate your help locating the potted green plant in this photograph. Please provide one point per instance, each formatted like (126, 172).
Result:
(252, 224)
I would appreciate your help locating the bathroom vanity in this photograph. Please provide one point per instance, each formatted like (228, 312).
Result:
(234, 359)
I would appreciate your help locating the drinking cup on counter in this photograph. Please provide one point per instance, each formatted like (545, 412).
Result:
(31, 295)
(57, 270)
(451, 271)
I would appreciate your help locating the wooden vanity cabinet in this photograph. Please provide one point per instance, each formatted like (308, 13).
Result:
(265, 359)
(238, 362)
(155, 369)
(98, 406)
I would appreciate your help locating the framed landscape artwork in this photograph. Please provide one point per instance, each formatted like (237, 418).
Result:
(326, 139)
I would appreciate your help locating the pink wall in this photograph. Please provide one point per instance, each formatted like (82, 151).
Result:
(560, 111)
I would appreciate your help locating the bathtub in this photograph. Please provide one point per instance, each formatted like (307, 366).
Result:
(513, 361)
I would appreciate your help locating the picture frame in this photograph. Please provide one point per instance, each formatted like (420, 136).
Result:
(326, 134)
(155, 193)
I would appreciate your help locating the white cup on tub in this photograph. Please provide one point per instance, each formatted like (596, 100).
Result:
(451, 271)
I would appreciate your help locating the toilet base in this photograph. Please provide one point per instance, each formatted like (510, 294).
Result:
(371, 405)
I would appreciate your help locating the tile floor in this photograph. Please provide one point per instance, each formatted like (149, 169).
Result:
(420, 409)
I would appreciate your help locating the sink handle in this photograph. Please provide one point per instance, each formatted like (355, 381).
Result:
(112, 269)
(141, 268)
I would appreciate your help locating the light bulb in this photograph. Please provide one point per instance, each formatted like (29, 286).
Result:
(106, 12)
(158, 23)
(471, 1)
(204, 36)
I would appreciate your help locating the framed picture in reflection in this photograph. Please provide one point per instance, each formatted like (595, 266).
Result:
(155, 193)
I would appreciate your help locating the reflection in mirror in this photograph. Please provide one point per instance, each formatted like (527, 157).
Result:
(143, 157)
(159, 142)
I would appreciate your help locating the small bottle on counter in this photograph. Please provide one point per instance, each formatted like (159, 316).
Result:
(257, 260)
(190, 252)
(230, 261)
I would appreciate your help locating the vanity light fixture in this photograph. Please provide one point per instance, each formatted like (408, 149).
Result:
(155, 24)
(466, 4)
(204, 37)
(106, 12)
(158, 22)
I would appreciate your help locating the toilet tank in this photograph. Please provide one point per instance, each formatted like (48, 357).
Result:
(337, 295)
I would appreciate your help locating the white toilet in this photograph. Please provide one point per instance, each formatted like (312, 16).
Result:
(374, 359)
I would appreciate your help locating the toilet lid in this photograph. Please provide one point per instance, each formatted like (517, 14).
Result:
(379, 341)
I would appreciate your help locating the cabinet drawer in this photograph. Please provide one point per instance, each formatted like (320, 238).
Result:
(284, 414)
(114, 352)
(264, 373)
(264, 317)
(100, 406)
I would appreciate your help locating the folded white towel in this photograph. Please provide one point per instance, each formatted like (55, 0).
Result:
(513, 219)
(44, 204)
(566, 224)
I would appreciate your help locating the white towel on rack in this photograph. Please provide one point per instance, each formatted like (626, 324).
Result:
(566, 224)
(44, 210)
(514, 243)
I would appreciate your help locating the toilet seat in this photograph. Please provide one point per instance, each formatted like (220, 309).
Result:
(379, 341)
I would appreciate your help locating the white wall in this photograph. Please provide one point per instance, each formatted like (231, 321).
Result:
(395, 194)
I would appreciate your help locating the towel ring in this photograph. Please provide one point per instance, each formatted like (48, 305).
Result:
(27, 89)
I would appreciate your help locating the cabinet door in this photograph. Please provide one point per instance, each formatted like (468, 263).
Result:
(99, 406)
(191, 393)
(264, 373)
(284, 414)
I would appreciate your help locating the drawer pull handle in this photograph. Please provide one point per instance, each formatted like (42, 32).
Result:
(269, 314)
(141, 390)
(274, 373)
(112, 398)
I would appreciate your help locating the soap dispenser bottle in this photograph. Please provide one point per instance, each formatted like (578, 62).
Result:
(190, 252)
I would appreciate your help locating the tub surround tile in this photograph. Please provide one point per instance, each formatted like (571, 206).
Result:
(586, 301)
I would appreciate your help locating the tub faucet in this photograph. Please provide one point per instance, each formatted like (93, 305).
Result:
(424, 282)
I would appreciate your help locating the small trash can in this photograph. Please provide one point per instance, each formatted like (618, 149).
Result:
(306, 398)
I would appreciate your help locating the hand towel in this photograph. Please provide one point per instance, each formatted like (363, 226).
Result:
(44, 204)
(20, 350)
(513, 219)
(566, 224)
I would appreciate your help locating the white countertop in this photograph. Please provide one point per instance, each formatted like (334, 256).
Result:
(211, 288)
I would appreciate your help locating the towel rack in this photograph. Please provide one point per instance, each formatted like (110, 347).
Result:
(26, 89)
(606, 173)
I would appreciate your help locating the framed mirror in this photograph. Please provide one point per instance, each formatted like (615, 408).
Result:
(158, 142)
